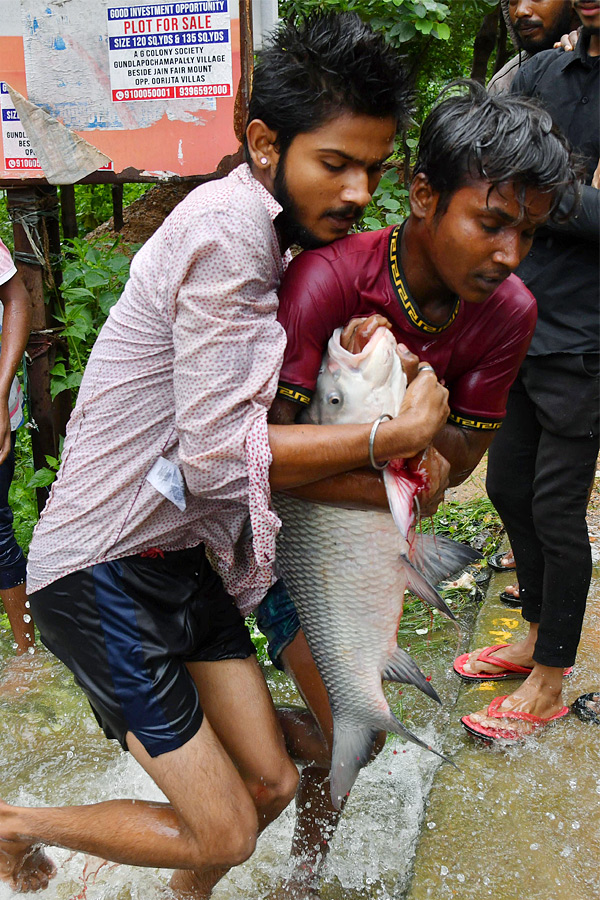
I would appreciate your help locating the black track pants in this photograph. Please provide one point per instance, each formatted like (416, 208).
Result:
(541, 466)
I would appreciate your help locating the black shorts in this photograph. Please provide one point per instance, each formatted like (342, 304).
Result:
(126, 628)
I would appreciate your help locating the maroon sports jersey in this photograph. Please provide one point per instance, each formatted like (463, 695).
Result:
(477, 351)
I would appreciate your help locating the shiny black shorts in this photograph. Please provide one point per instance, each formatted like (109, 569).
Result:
(126, 628)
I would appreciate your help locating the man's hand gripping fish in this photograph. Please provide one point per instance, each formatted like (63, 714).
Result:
(347, 569)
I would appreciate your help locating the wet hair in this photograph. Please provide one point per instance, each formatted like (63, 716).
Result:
(501, 139)
(321, 67)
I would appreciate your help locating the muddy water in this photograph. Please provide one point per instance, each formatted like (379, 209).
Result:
(516, 823)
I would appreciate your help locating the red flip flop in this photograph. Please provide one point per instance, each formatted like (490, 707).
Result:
(511, 670)
(507, 734)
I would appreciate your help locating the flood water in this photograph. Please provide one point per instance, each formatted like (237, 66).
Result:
(512, 823)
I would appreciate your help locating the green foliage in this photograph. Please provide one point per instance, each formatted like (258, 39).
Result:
(389, 205)
(402, 20)
(474, 522)
(93, 280)
(22, 496)
(93, 203)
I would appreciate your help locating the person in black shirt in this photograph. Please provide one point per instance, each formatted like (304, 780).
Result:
(543, 460)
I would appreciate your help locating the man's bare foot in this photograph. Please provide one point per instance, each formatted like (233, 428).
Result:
(20, 675)
(540, 695)
(301, 884)
(518, 653)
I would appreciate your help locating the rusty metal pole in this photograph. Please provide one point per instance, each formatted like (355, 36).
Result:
(117, 205)
(34, 212)
(67, 211)
(242, 100)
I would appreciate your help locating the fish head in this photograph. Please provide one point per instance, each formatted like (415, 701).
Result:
(356, 388)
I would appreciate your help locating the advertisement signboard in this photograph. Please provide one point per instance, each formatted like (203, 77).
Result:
(139, 90)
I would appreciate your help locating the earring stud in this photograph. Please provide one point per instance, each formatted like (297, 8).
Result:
(264, 160)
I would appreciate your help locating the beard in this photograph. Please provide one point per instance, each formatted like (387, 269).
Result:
(587, 31)
(547, 40)
(288, 219)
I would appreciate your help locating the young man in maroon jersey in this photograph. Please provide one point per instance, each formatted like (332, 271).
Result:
(443, 283)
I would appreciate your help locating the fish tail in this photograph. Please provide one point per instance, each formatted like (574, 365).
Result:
(438, 557)
(402, 668)
(352, 749)
(419, 585)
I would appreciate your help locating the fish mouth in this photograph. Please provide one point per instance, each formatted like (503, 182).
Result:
(354, 360)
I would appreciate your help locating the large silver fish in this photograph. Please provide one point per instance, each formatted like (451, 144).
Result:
(347, 569)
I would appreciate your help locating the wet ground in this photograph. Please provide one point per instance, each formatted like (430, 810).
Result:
(512, 823)
(521, 821)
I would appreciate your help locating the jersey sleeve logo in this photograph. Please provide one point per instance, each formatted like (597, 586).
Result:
(294, 393)
(470, 422)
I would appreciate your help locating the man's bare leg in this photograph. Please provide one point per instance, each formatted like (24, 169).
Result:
(19, 615)
(19, 673)
(209, 824)
(309, 738)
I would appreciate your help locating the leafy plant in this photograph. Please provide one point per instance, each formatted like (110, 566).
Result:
(21, 497)
(402, 20)
(93, 280)
(389, 205)
(93, 202)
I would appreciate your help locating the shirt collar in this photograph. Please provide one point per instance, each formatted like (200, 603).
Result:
(409, 305)
(244, 173)
(578, 55)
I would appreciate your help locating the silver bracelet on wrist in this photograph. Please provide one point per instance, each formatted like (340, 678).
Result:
(376, 425)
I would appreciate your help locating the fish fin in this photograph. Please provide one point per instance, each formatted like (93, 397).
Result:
(352, 749)
(401, 493)
(439, 557)
(418, 584)
(402, 668)
(396, 727)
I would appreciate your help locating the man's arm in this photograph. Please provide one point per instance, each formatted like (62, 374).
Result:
(16, 326)
(303, 454)
(463, 448)
(584, 222)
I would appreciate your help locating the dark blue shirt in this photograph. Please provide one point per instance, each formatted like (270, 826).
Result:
(562, 270)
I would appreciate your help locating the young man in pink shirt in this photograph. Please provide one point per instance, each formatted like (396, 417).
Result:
(169, 462)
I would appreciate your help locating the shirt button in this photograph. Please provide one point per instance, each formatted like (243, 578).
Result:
(585, 99)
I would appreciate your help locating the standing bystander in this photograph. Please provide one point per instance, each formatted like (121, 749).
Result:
(15, 324)
(542, 462)
(534, 25)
